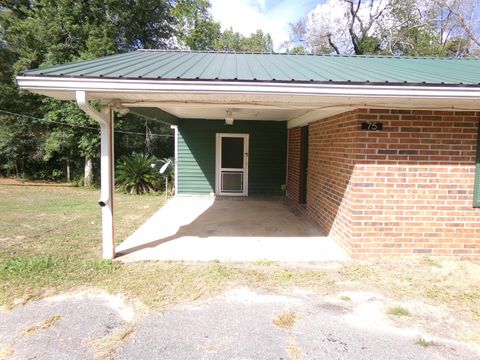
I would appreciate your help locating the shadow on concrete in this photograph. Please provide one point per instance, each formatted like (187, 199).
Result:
(227, 227)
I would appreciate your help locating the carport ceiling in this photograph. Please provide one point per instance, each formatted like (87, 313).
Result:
(239, 113)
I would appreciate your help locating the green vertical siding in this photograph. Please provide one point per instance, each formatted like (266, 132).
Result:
(196, 155)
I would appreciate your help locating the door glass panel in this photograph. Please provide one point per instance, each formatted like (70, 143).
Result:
(232, 181)
(232, 152)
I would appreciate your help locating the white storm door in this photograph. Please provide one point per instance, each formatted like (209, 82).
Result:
(232, 164)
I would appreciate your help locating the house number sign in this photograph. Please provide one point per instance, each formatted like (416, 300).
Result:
(372, 126)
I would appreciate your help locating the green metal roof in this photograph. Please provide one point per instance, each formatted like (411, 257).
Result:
(224, 66)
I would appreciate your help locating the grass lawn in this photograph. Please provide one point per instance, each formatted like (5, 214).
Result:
(50, 242)
(50, 237)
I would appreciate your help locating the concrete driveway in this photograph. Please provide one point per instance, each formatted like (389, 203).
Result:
(239, 324)
(205, 228)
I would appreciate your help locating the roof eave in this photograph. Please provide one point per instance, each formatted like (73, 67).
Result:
(119, 86)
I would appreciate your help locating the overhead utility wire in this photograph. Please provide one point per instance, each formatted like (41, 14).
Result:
(80, 126)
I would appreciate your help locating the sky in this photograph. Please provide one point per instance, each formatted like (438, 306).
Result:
(272, 16)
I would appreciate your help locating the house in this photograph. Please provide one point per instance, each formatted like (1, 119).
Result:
(382, 152)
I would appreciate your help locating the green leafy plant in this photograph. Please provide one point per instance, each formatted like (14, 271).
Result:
(399, 311)
(425, 343)
(135, 174)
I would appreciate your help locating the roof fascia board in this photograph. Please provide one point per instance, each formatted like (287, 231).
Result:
(161, 86)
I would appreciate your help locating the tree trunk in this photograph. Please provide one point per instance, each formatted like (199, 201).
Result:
(331, 43)
(88, 174)
(68, 170)
(17, 171)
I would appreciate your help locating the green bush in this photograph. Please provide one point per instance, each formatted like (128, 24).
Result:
(135, 174)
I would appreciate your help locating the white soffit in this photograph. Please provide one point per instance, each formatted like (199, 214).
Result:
(238, 112)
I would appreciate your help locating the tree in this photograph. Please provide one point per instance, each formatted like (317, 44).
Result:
(20, 145)
(47, 32)
(296, 50)
(140, 24)
(234, 41)
(459, 23)
(196, 28)
(258, 42)
(342, 26)
(230, 41)
(362, 21)
(425, 28)
(466, 13)
(393, 27)
(61, 142)
(75, 140)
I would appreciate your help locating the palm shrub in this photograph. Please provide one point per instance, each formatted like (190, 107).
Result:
(135, 174)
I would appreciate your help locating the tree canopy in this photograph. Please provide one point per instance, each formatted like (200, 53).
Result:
(196, 28)
(45, 138)
(391, 27)
(46, 32)
(230, 40)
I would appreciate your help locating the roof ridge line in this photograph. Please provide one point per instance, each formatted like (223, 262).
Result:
(368, 56)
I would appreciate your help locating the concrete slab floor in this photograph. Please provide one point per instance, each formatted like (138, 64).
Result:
(207, 228)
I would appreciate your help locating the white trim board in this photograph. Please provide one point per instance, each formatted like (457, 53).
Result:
(45, 84)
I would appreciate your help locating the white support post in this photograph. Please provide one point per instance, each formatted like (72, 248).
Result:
(107, 187)
(106, 121)
(175, 129)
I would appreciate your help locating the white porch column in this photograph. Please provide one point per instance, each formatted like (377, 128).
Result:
(107, 186)
(175, 129)
(106, 120)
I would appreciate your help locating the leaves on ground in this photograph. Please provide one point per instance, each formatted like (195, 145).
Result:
(51, 321)
(285, 320)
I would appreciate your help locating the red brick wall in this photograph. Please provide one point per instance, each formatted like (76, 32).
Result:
(330, 166)
(294, 158)
(404, 190)
(413, 184)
